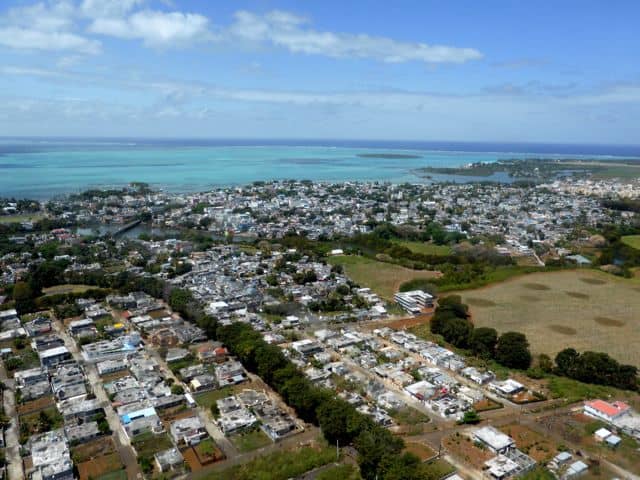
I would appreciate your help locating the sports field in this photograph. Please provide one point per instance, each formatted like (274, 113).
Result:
(381, 277)
(583, 309)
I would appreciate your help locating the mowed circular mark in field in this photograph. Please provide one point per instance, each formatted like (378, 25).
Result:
(529, 298)
(609, 322)
(536, 286)
(593, 281)
(479, 302)
(581, 296)
(562, 329)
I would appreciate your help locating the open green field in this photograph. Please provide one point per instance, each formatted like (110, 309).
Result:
(381, 277)
(583, 309)
(632, 240)
(209, 398)
(279, 465)
(425, 248)
(66, 288)
(33, 217)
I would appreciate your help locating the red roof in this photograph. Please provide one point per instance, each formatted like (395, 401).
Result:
(608, 409)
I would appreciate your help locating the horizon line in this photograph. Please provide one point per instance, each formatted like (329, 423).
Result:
(314, 139)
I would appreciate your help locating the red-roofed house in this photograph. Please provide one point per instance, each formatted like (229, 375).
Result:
(605, 411)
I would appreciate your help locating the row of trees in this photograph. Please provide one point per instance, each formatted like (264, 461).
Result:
(596, 367)
(452, 321)
(379, 451)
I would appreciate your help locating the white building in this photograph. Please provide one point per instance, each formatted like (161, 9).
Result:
(414, 301)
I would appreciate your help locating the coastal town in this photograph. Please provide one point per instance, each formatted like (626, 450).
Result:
(149, 334)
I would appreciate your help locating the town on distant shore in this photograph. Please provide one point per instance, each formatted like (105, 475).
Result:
(301, 329)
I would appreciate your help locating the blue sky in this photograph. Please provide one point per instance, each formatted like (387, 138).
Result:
(543, 71)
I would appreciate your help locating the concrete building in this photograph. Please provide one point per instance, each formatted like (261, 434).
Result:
(188, 431)
(494, 439)
(54, 356)
(168, 459)
(414, 301)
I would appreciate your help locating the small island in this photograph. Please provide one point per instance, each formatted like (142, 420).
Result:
(541, 169)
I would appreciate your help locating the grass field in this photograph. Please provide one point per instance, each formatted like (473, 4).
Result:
(584, 309)
(342, 472)
(279, 465)
(207, 399)
(146, 444)
(425, 248)
(383, 278)
(66, 288)
(632, 240)
(249, 441)
(33, 217)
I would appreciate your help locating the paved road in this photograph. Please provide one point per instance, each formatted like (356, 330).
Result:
(11, 436)
(123, 445)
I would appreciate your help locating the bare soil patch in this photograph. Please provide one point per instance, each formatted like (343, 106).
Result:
(480, 302)
(100, 466)
(406, 323)
(536, 286)
(538, 447)
(582, 296)
(41, 403)
(92, 449)
(609, 322)
(529, 298)
(463, 448)
(593, 281)
(563, 329)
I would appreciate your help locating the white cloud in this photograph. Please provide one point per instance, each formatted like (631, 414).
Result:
(290, 31)
(155, 28)
(28, 39)
(45, 27)
(108, 8)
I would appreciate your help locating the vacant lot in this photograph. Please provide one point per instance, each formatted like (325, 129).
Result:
(251, 440)
(106, 465)
(423, 451)
(538, 447)
(146, 444)
(383, 278)
(584, 309)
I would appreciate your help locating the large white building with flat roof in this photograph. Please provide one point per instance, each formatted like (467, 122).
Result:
(414, 301)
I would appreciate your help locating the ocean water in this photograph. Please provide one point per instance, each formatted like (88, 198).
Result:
(43, 168)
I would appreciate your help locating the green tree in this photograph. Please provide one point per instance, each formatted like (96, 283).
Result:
(483, 342)
(512, 350)
(470, 417)
(177, 389)
(23, 297)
